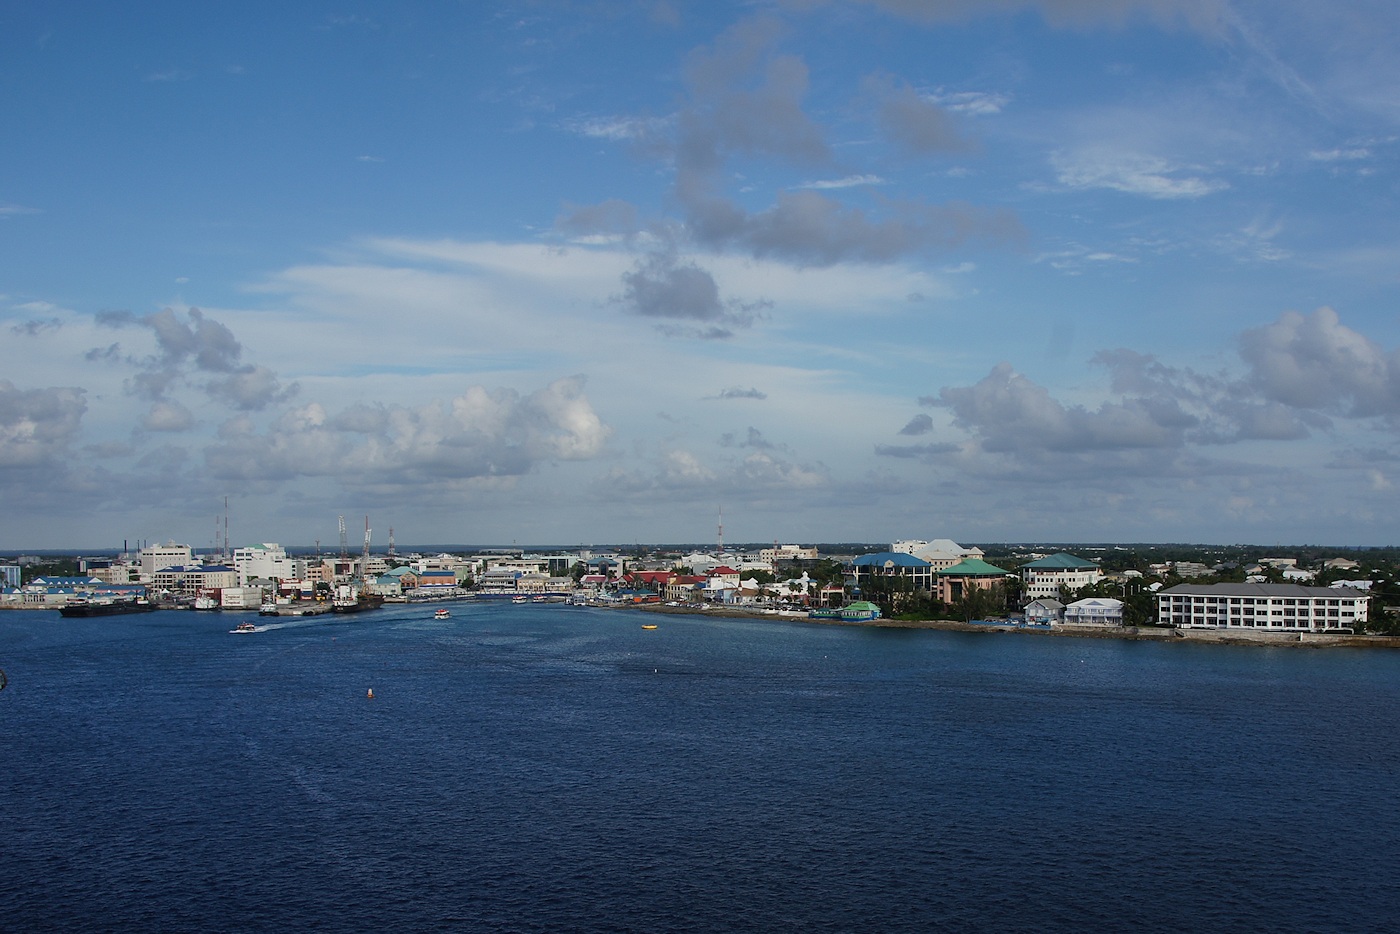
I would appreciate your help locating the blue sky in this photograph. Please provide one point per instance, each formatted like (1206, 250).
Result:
(556, 272)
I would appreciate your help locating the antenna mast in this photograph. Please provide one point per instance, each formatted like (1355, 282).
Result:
(364, 559)
(391, 541)
(721, 532)
(344, 545)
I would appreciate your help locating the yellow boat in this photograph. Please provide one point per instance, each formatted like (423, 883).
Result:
(648, 625)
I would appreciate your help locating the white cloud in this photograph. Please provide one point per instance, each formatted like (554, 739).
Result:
(1131, 173)
(850, 181)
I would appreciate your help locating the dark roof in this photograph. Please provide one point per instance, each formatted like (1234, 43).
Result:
(1259, 590)
(890, 558)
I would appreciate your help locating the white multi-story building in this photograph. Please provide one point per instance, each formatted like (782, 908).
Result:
(1269, 607)
(158, 557)
(787, 553)
(1044, 577)
(266, 561)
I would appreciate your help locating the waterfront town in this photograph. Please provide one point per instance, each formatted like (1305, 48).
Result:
(1103, 589)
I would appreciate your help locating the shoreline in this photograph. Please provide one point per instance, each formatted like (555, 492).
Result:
(1310, 640)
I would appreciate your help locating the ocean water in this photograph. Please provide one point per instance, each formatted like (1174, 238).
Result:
(549, 768)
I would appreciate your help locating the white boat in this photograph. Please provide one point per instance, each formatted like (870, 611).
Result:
(244, 627)
(442, 614)
(519, 600)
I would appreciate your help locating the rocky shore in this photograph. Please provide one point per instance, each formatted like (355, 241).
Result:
(1130, 633)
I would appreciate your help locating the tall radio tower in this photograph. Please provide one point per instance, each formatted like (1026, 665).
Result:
(720, 538)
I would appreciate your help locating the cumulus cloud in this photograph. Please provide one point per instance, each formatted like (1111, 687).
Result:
(1009, 412)
(38, 425)
(613, 217)
(167, 416)
(481, 434)
(190, 346)
(745, 99)
(251, 388)
(35, 327)
(753, 439)
(737, 392)
(918, 425)
(661, 285)
(1301, 374)
(913, 121)
(808, 228)
(1316, 362)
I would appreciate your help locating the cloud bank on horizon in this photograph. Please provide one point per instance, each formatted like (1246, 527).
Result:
(554, 272)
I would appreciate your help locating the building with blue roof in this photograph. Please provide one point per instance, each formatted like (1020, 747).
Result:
(893, 565)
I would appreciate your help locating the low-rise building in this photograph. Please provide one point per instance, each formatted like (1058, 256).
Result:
(954, 583)
(787, 553)
(893, 564)
(1094, 611)
(1269, 607)
(684, 588)
(1045, 612)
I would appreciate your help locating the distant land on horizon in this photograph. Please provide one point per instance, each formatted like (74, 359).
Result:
(822, 547)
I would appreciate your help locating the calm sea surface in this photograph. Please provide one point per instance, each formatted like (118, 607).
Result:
(555, 768)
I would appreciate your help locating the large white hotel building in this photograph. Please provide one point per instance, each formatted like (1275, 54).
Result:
(1278, 607)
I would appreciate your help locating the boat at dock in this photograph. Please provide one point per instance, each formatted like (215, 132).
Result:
(117, 606)
(360, 604)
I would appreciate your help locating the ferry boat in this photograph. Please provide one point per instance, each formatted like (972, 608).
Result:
(442, 614)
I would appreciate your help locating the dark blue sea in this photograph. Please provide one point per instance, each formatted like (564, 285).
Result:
(548, 768)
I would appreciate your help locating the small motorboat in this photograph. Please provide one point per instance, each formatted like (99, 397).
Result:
(245, 627)
(648, 625)
(442, 614)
